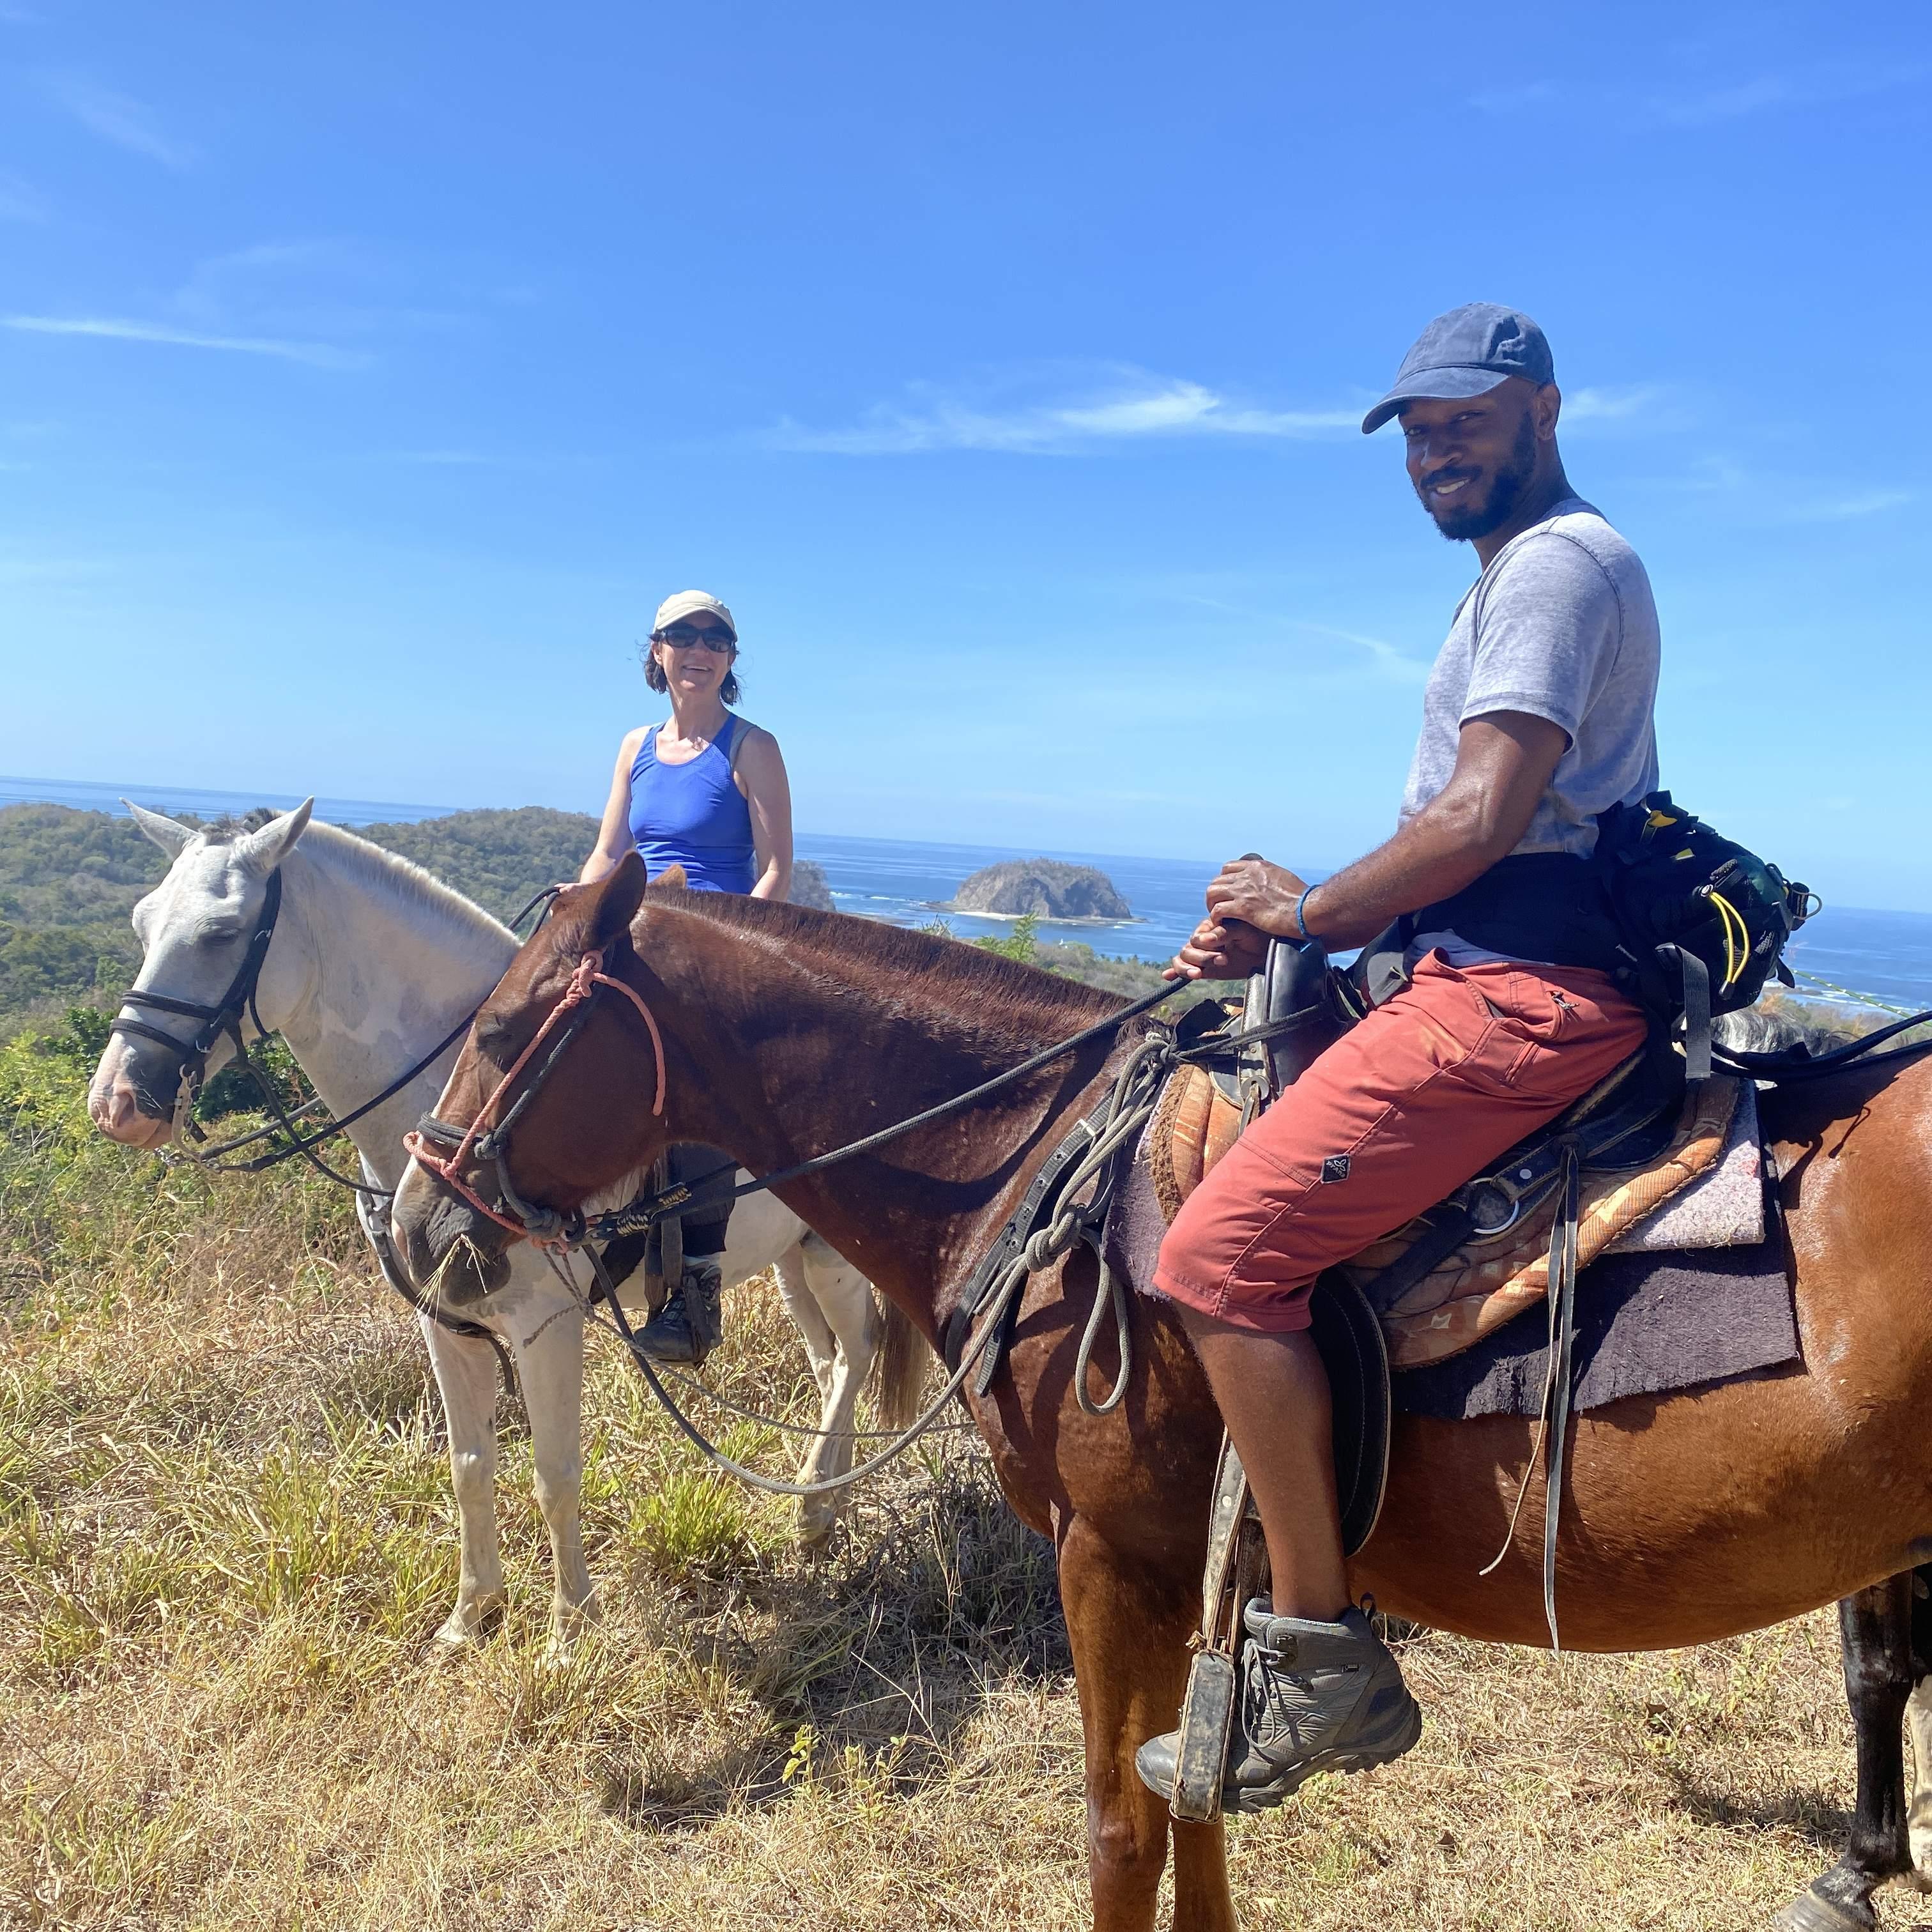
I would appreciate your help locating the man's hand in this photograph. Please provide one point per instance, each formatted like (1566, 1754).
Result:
(1217, 952)
(1258, 894)
(1249, 900)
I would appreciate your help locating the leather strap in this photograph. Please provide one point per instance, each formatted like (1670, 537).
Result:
(1036, 1209)
(1560, 1386)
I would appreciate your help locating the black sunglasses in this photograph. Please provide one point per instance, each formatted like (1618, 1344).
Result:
(684, 637)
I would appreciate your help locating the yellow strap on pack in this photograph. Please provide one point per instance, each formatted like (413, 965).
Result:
(1737, 939)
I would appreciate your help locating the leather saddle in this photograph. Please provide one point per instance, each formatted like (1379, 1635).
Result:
(1471, 1262)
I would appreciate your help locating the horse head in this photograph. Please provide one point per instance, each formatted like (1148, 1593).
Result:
(196, 929)
(461, 1206)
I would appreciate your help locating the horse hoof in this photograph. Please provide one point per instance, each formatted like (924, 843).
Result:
(814, 1532)
(569, 1621)
(1917, 1880)
(1812, 1912)
(468, 1623)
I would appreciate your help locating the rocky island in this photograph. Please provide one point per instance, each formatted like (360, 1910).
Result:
(809, 886)
(1045, 888)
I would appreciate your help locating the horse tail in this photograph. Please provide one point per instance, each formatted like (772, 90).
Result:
(902, 1360)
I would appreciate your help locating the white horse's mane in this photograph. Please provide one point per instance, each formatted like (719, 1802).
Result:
(371, 865)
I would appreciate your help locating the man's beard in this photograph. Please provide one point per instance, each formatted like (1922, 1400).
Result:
(1463, 523)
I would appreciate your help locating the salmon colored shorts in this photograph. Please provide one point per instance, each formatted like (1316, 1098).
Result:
(1417, 1098)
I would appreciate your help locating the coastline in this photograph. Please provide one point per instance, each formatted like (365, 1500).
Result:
(952, 909)
(1879, 958)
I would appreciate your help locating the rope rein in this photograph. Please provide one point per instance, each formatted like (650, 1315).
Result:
(647, 1209)
(1130, 1105)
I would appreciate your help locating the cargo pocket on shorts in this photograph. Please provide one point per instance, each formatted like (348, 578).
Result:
(1549, 1016)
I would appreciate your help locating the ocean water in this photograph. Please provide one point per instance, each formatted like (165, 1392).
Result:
(1885, 956)
(85, 797)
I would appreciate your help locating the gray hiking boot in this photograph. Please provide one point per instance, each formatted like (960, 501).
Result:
(1314, 1697)
(692, 1322)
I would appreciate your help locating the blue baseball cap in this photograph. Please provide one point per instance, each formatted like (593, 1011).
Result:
(1467, 353)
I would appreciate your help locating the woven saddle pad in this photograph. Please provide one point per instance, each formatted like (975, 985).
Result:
(1483, 1283)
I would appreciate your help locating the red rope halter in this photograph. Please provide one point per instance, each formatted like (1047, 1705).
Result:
(588, 975)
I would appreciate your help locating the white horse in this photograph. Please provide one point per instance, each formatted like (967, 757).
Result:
(372, 961)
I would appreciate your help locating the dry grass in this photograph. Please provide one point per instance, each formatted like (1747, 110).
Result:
(225, 1537)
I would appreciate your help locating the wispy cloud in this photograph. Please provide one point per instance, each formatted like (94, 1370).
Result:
(317, 354)
(117, 118)
(1731, 100)
(1602, 405)
(1134, 404)
(19, 201)
(1774, 498)
(1710, 100)
(438, 459)
(1244, 605)
(1388, 663)
(1866, 503)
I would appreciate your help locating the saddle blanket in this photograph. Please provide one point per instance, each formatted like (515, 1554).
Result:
(1648, 1323)
(1702, 1188)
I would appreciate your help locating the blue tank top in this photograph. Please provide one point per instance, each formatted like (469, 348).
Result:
(694, 815)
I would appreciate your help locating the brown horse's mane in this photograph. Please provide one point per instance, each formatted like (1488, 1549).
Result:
(1001, 995)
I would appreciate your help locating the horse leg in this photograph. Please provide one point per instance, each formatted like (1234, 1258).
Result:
(549, 1366)
(1130, 1630)
(832, 1302)
(1918, 1726)
(465, 1378)
(1876, 1626)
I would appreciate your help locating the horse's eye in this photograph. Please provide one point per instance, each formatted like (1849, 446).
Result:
(491, 1034)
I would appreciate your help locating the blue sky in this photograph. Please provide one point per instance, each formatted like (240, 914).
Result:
(367, 373)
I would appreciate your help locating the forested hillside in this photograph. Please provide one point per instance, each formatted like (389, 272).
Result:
(69, 879)
(498, 859)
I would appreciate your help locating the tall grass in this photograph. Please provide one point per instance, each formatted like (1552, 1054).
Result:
(226, 1538)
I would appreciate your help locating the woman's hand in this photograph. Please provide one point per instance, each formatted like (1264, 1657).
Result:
(1259, 894)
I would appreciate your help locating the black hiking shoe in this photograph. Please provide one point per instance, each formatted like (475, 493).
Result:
(1314, 1697)
(692, 1322)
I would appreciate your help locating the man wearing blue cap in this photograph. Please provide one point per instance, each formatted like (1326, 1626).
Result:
(1537, 717)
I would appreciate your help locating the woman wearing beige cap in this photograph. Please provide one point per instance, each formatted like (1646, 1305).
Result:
(707, 791)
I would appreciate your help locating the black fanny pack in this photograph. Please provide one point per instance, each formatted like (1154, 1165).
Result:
(1550, 906)
(1688, 923)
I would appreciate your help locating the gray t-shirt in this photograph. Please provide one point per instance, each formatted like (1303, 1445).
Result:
(1562, 625)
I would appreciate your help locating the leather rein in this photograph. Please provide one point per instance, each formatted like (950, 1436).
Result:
(548, 1228)
(1050, 1221)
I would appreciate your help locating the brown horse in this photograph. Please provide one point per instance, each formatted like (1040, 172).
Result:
(786, 1032)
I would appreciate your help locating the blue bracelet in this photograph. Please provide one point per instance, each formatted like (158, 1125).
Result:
(1301, 914)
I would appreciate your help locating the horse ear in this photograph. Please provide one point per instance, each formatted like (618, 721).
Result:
(262, 851)
(170, 834)
(618, 895)
(672, 875)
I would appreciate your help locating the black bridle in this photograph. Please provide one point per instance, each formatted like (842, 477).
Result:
(222, 1020)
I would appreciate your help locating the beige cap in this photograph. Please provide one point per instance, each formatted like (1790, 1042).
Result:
(687, 603)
